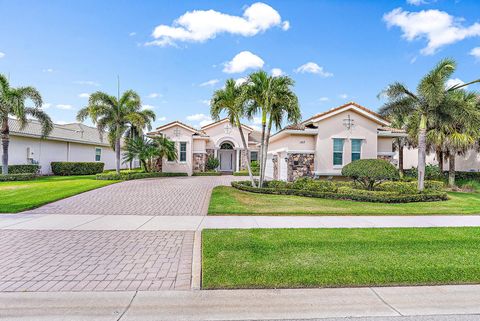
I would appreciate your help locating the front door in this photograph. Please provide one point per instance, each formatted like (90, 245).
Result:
(226, 160)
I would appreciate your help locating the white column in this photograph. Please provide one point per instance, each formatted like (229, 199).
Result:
(238, 160)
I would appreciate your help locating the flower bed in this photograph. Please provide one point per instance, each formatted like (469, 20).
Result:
(389, 193)
(113, 176)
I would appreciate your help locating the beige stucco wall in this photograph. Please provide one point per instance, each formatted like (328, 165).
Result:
(332, 127)
(467, 163)
(293, 143)
(184, 136)
(199, 145)
(218, 135)
(46, 151)
(385, 144)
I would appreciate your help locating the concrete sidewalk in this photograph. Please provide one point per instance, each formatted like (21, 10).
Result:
(194, 223)
(242, 304)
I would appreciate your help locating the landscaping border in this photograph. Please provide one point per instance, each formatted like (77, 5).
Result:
(131, 176)
(363, 196)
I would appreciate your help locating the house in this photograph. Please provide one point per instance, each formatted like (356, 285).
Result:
(469, 162)
(73, 142)
(219, 139)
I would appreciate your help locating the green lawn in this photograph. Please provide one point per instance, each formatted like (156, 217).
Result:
(291, 258)
(228, 200)
(20, 196)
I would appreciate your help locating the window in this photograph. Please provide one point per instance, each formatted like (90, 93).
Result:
(253, 156)
(337, 151)
(183, 152)
(98, 154)
(356, 149)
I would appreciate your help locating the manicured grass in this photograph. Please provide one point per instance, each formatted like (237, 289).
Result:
(20, 196)
(228, 200)
(291, 258)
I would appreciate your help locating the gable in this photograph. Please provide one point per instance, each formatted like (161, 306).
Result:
(222, 124)
(352, 107)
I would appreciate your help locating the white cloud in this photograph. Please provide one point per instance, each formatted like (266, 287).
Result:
(198, 117)
(154, 95)
(144, 106)
(417, 2)
(240, 81)
(322, 99)
(2, 54)
(257, 120)
(437, 27)
(163, 118)
(211, 82)
(243, 61)
(47, 70)
(475, 52)
(46, 106)
(61, 122)
(343, 96)
(84, 95)
(205, 102)
(64, 106)
(133, 33)
(313, 68)
(87, 82)
(203, 25)
(454, 81)
(277, 72)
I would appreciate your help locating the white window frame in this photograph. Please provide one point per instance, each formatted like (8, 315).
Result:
(351, 148)
(336, 166)
(251, 152)
(180, 152)
(101, 152)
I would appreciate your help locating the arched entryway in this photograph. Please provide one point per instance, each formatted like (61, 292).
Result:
(226, 156)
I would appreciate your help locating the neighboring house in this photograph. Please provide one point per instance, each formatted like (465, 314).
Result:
(469, 162)
(219, 139)
(324, 143)
(66, 143)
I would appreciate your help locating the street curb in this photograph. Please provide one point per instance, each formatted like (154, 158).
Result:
(197, 261)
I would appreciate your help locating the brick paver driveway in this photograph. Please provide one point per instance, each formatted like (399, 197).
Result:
(160, 196)
(95, 260)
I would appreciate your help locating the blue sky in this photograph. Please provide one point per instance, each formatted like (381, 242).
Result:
(336, 51)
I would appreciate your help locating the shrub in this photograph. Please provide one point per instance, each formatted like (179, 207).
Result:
(113, 176)
(346, 193)
(17, 177)
(432, 172)
(207, 173)
(398, 187)
(300, 183)
(370, 172)
(255, 166)
(278, 184)
(475, 176)
(434, 185)
(245, 173)
(76, 168)
(24, 169)
(212, 163)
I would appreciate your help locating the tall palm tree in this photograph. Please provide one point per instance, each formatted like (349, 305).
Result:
(231, 101)
(12, 103)
(400, 121)
(147, 150)
(165, 148)
(422, 105)
(268, 95)
(116, 115)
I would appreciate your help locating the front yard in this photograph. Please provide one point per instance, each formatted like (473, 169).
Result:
(24, 195)
(293, 258)
(228, 200)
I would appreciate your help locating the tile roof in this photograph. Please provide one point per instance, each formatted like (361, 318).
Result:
(221, 120)
(391, 129)
(74, 132)
(346, 105)
(176, 122)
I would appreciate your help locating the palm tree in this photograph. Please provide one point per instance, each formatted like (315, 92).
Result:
(116, 116)
(146, 150)
(230, 100)
(265, 93)
(400, 121)
(12, 103)
(422, 105)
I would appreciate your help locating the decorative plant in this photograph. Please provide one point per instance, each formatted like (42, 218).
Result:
(212, 163)
(370, 172)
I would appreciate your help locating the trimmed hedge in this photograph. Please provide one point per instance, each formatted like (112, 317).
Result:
(17, 177)
(207, 173)
(370, 172)
(24, 169)
(132, 175)
(347, 193)
(76, 168)
(245, 173)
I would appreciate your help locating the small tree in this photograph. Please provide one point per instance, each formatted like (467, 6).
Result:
(212, 163)
(370, 172)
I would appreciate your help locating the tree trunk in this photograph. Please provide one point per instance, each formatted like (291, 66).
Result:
(5, 132)
(262, 145)
(451, 170)
(400, 161)
(422, 146)
(247, 152)
(265, 152)
(439, 153)
(117, 154)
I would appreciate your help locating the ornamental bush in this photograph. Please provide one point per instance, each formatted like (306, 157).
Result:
(212, 163)
(113, 176)
(17, 177)
(24, 169)
(76, 168)
(277, 184)
(370, 172)
(398, 187)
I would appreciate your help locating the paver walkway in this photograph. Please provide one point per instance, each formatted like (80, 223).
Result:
(158, 196)
(59, 260)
